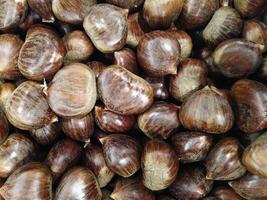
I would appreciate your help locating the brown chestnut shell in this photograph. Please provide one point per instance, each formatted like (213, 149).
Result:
(226, 193)
(185, 42)
(43, 8)
(6, 89)
(250, 8)
(4, 127)
(127, 4)
(159, 86)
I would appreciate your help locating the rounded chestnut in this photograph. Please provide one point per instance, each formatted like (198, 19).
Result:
(122, 154)
(72, 92)
(131, 188)
(14, 152)
(254, 156)
(42, 53)
(158, 53)
(191, 76)
(95, 161)
(250, 99)
(226, 23)
(185, 42)
(78, 183)
(224, 162)
(159, 86)
(6, 89)
(197, 13)
(126, 58)
(12, 13)
(72, 12)
(106, 25)
(159, 165)
(136, 96)
(27, 108)
(247, 58)
(191, 183)
(160, 120)
(129, 4)
(250, 186)
(78, 47)
(43, 8)
(207, 110)
(112, 122)
(250, 8)
(30, 181)
(10, 45)
(79, 128)
(63, 155)
(191, 146)
(159, 14)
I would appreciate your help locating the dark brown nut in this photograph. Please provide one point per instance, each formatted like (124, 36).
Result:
(97, 67)
(159, 14)
(43, 8)
(191, 183)
(78, 47)
(10, 45)
(250, 8)
(224, 162)
(42, 53)
(160, 120)
(31, 181)
(4, 127)
(159, 86)
(185, 42)
(250, 186)
(226, 23)
(106, 25)
(126, 58)
(196, 13)
(191, 146)
(158, 53)
(250, 98)
(122, 154)
(12, 13)
(135, 98)
(207, 110)
(254, 156)
(191, 76)
(112, 122)
(237, 58)
(78, 183)
(71, 12)
(79, 128)
(159, 165)
(226, 193)
(72, 92)
(27, 108)
(95, 161)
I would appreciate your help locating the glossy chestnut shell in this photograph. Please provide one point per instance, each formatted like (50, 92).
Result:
(128, 4)
(250, 8)
(159, 86)
(135, 98)
(185, 42)
(43, 8)
(126, 58)
(226, 193)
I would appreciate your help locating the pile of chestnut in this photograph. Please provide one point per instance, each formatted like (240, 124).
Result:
(133, 99)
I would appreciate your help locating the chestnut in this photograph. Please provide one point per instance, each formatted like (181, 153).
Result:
(191, 76)
(43, 8)
(12, 14)
(95, 161)
(126, 58)
(250, 186)
(250, 8)
(78, 47)
(224, 162)
(129, 4)
(250, 99)
(6, 90)
(185, 42)
(136, 96)
(226, 23)
(122, 154)
(159, 165)
(42, 53)
(106, 25)
(14, 152)
(160, 120)
(72, 92)
(78, 183)
(226, 193)
(191, 146)
(159, 86)
(158, 53)
(131, 188)
(4, 127)
(159, 14)
(247, 58)
(10, 45)
(32, 18)
(207, 110)
(112, 122)
(27, 108)
(62, 155)
(197, 13)
(255, 31)
(79, 128)
(72, 12)
(191, 183)
(97, 67)
(254, 156)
